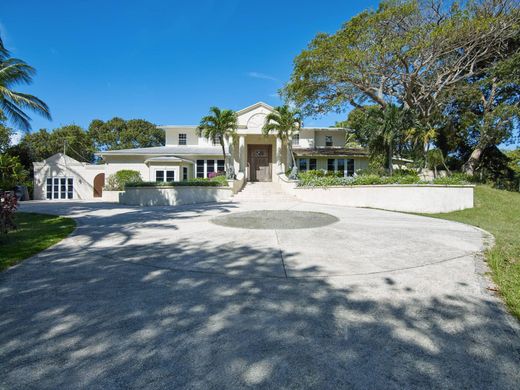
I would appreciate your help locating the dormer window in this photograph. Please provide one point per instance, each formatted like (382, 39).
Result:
(296, 139)
(182, 139)
(328, 140)
(216, 140)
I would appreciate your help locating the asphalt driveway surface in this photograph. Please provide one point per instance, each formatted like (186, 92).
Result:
(170, 297)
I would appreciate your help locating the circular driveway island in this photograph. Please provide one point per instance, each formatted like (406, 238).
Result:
(165, 297)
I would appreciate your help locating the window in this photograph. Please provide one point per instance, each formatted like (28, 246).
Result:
(302, 164)
(330, 165)
(216, 140)
(182, 138)
(49, 188)
(200, 168)
(210, 168)
(350, 167)
(159, 175)
(220, 166)
(296, 139)
(340, 165)
(312, 164)
(328, 140)
(164, 175)
(184, 173)
(59, 188)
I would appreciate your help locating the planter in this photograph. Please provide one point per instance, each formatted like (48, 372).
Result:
(174, 196)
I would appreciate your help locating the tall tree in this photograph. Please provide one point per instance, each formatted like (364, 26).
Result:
(408, 52)
(284, 122)
(71, 139)
(220, 124)
(118, 133)
(14, 71)
(5, 138)
(384, 131)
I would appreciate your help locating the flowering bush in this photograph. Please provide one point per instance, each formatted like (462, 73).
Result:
(8, 206)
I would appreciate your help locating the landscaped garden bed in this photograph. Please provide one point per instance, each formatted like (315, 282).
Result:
(331, 179)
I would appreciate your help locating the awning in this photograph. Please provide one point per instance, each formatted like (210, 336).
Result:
(326, 152)
(167, 159)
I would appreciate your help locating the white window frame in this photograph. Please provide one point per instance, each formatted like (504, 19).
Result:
(345, 171)
(295, 140)
(55, 195)
(215, 166)
(331, 141)
(184, 140)
(165, 175)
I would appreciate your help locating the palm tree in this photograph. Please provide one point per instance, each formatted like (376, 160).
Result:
(12, 104)
(285, 123)
(220, 124)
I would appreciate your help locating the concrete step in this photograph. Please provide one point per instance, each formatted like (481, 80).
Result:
(257, 192)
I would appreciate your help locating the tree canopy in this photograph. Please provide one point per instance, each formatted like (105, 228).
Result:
(118, 133)
(417, 55)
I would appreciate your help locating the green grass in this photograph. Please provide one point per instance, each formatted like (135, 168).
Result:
(35, 233)
(498, 212)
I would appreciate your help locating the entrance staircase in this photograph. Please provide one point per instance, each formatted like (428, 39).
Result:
(262, 192)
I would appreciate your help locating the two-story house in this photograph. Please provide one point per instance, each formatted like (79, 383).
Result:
(186, 155)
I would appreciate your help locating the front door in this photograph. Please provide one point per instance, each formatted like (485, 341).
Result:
(259, 159)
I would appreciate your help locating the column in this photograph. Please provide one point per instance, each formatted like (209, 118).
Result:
(242, 153)
(278, 155)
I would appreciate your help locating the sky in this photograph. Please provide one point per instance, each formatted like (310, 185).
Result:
(163, 61)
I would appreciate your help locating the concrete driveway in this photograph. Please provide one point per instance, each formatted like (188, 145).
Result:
(162, 297)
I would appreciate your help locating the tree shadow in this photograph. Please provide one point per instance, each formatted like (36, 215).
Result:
(201, 316)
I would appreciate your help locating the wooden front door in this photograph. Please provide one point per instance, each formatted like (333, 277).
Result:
(259, 159)
(99, 182)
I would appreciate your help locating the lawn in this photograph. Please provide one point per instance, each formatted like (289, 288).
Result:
(498, 212)
(35, 233)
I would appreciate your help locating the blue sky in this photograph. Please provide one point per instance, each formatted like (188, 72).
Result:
(163, 61)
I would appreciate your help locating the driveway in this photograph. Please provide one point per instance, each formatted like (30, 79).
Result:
(166, 297)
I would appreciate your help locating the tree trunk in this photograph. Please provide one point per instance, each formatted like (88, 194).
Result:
(390, 160)
(473, 162)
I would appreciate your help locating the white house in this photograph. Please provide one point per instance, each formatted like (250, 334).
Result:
(186, 155)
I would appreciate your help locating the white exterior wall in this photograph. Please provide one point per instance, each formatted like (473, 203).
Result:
(57, 166)
(172, 136)
(174, 196)
(407, 198)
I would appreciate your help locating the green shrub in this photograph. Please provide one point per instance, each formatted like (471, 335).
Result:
(217, 181)
(454, 179)
(118, 180)
(320, 179)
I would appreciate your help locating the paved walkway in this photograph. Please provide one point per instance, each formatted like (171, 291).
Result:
(161, 297)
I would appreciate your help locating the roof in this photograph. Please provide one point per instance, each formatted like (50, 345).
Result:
(166, 150)
(60, 158)
(324, 128)
(253, 106)
(167, 159)
(346, 152)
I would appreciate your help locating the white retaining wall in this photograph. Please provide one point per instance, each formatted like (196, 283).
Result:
(396, 197)
(172, 196)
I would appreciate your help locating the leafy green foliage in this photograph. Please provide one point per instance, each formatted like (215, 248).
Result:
(8, 206)
(118, 180)
(118, 133)
(285, 123)
(454, 179)
(454, 68)
(14, 71)
(321, 179)
(220, 124)
(5, 138)
(11, 172)
(217, 181)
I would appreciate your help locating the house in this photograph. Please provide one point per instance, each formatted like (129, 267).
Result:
(186, 155)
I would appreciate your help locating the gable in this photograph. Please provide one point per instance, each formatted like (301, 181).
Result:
(253, 117)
